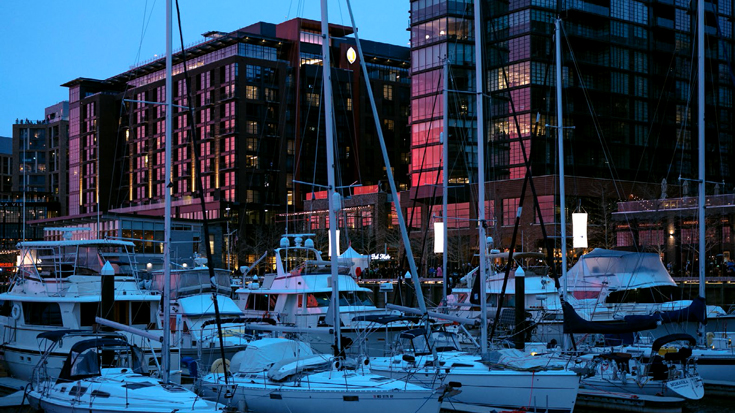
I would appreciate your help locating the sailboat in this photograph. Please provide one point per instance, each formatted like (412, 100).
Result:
(715, 353)
(284, 376)
(104, 373)
(435, 357)
(625, 376)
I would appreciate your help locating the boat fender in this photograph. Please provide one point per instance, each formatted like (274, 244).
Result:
(15, 312)
(217, 366)
(710, 337)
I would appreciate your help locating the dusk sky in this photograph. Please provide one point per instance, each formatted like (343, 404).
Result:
(49, 42)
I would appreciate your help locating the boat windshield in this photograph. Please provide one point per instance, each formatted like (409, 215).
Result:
(444, 341)
(194, 281)
(90, 361)
(346, 298)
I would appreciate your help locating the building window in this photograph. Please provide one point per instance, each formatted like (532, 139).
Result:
(251, 127)
(624, 239)
(253, 196)
(510, 208)
(251, 92)
(313, 99)
(251, 161)
(546, 204)
(389, 124)
(387, 92)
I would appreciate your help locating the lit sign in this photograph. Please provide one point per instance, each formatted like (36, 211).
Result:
(380, 256)
(351, 55)
(6, 265)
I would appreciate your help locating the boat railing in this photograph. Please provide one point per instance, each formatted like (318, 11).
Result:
(53, 265)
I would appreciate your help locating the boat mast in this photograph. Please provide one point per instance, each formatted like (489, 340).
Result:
(560, 138)
(700, 145)
(332, 195)
(166, 301)
(445, 173)
(481, 172)
(388, 169)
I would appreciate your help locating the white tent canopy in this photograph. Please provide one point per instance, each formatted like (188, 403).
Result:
(359, 261)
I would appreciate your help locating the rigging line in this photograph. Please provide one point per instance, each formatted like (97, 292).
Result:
(317, 135)
(681, 139)
(198, 172)
(445, 129)
(603, 143)
(527, 165)
(414, 200)
(715, 99)
(144, 29)
(650, 130)
(659, 102)
(595, 119)
(349, 122)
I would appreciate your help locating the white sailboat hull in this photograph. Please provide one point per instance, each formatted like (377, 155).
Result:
(691, 388)
(116, 393)
(323, 392)
(552, 391)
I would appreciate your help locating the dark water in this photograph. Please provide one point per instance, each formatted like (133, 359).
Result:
(706, 405)
(711, 405)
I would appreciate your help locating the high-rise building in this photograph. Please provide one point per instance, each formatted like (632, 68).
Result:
(37, 173)
(629, 93)
(256, 94)
(6, 167)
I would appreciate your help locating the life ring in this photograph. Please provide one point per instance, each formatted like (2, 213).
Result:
(15, 312)
(217, 366)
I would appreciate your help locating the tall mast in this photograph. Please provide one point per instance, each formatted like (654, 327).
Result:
(333, 200)
(481, 172)
(388, 169)
(560, 138)
(166, 301)
(445, 173)
(700, 145)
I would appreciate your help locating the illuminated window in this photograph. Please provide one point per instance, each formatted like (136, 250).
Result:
(313, 99)
(251, 92)
(387, 92)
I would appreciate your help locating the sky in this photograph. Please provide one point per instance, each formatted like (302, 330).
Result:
(46, 43)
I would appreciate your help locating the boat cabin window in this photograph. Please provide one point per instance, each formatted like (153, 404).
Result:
(87, 313)
(508, 301)
(318, 300)
(47, 314)
(646, 295)
(6, 308)
(359, 298)
(140, 313)
(261, 302)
